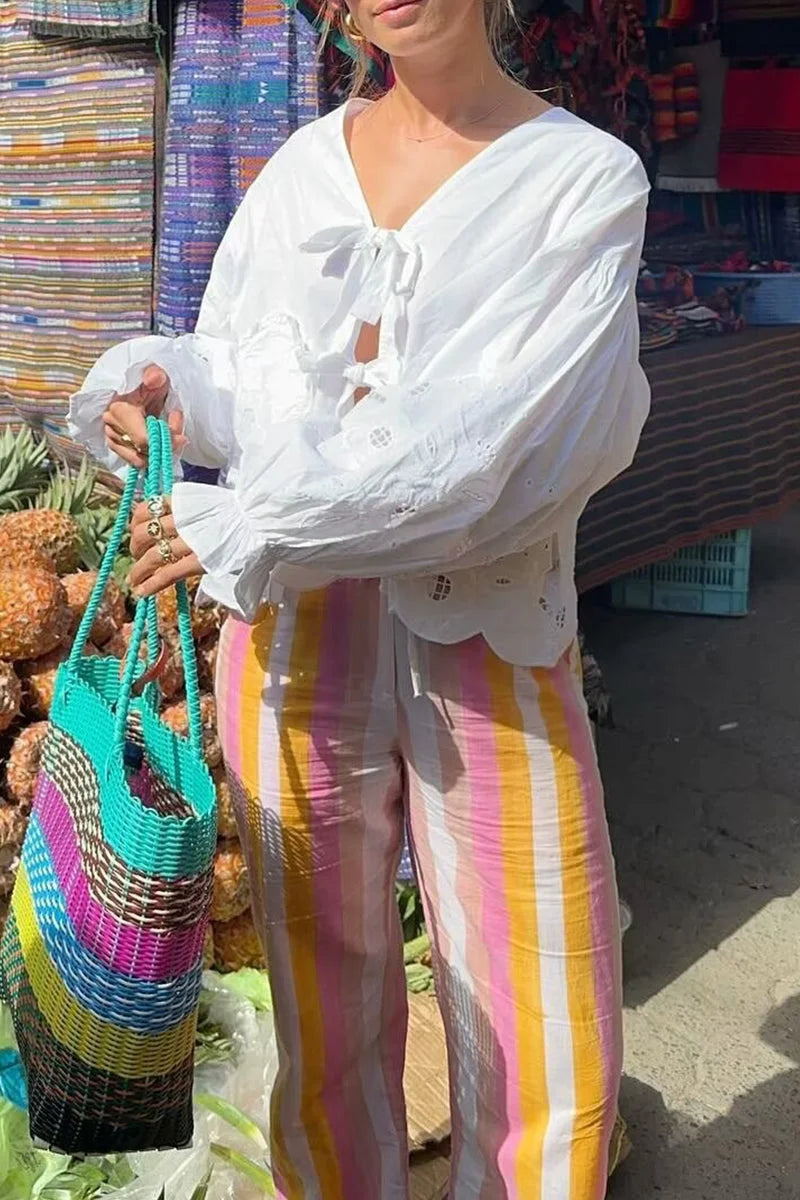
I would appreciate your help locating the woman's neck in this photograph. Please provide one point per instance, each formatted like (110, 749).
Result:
(459, 86)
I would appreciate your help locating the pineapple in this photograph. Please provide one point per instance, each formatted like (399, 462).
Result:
(236, 944)
(176, 716)
(207, 662)
(10, 696)
(35, 530)
(13, 823)
(39, 679)
(23, 469)
(15, 556)
(76, 494)
(111, 615)
(117, 644)
(226, 818)
(205, 621)
(231, 888)
(34, 614)
(208, 949)
(171, 678)
(22, 769)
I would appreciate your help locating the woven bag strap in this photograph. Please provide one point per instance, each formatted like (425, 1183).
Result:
(158, 481)
(106, 567)
(188, 652)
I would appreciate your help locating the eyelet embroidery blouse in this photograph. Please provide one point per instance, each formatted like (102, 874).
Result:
(507, 387)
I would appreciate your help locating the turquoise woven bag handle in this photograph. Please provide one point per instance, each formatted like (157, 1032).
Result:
(158, 480)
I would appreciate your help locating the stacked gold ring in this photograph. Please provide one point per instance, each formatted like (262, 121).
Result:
(164, 547)
(156, 506)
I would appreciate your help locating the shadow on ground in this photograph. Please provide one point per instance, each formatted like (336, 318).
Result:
(730, 1158)
(702, 777)
(702, 773)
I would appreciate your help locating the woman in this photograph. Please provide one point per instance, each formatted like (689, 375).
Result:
(416, 360)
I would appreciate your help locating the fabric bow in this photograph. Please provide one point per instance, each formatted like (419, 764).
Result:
(375, 264)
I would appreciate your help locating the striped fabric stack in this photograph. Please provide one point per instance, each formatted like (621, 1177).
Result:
(244, 77)
(76, 212)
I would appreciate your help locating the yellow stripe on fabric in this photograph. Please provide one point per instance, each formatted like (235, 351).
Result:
(98, 1043)
(589, 1081)
(297, 823)
(250, 679)
(515, 785)
(251, 682)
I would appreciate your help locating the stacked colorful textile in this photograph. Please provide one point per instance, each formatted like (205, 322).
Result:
(95, 19)
(77, 197)
(669, 310)
(244, 77)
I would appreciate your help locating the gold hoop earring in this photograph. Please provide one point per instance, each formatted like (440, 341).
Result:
(351, 29)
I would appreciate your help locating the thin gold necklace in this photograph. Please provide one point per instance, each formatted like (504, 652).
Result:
(466, 125)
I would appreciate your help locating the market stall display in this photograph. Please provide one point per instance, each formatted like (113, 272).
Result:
(77, 173)
(720, 452)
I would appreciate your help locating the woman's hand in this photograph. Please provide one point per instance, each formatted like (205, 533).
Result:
(162, 557)
(125, 419)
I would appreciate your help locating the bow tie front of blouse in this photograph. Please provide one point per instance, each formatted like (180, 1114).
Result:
(379, 269)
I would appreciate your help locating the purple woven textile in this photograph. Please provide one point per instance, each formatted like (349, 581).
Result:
(244, 78)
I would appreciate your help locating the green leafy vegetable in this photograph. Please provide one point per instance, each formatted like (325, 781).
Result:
(261, 1176)
(233, 1116)
(250, 983)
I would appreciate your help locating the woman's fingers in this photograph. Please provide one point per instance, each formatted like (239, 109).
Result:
(122, 444)
(126, 423)
(152, 573)
(153, 390)
(125, 418)
(176, 423)
(147, 533)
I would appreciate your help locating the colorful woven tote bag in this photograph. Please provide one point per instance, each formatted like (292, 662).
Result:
(102, 953)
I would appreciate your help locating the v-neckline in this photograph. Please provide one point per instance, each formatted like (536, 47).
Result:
(444, 186)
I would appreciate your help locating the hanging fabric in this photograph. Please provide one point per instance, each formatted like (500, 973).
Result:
(681, 14)
(754, 29)
(244, 77)
(690, 165)
(760, 145)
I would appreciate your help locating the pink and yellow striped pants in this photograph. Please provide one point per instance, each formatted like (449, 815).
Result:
(330, 748)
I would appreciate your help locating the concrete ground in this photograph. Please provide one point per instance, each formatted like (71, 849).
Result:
(703, 783)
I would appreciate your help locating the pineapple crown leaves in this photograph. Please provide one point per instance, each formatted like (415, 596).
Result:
(77, 494)
(28, 480)
(23, 469)
(69, 491)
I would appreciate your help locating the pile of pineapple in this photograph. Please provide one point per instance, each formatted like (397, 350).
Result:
(54, 526)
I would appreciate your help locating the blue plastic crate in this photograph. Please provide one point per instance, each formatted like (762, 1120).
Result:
(773, 298)
(712, 579)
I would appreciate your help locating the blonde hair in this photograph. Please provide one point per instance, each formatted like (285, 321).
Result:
(500, 19)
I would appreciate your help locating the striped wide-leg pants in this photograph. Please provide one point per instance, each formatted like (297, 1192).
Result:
(334, 735)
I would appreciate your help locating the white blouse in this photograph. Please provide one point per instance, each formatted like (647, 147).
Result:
(507, 388)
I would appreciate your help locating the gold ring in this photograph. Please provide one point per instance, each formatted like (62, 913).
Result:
(156, 506)
(164, 548)
(155, 529)
(127, 440)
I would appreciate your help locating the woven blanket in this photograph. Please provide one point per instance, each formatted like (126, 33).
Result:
(753, 29)
(720, 451)
(96, 20)
(244, 78)
(76, 213)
